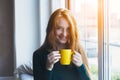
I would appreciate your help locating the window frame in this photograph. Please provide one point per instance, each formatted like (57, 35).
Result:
(103, 42)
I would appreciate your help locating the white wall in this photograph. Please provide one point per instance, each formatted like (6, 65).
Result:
(26, 30)
(44, 16)
(55, 4)
(31, 18)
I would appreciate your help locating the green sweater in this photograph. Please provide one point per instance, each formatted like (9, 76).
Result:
(59, 72)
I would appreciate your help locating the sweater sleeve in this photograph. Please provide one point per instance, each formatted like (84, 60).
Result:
(83, 73)
(39, 69)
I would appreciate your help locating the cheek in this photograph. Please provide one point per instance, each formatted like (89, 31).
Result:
(58, 32)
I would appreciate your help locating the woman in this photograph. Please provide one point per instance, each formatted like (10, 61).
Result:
(61, 33)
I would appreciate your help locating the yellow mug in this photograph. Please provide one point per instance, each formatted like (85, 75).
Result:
(66, 55)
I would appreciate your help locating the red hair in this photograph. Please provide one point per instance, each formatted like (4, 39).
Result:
(50, 35)
(50, 40)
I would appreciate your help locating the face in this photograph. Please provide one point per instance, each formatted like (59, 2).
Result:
(62, 31)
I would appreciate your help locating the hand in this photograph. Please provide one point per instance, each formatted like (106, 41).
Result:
(77, 59)
(52, 58)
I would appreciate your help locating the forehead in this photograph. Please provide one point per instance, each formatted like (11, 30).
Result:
(62, 22)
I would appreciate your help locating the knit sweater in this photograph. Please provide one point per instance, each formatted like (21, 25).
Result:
(59, 72)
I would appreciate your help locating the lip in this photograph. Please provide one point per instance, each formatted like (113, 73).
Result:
(63, 39)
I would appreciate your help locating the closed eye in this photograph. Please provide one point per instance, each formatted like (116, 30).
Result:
(59, 28)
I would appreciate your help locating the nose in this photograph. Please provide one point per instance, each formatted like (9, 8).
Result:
(65, 33)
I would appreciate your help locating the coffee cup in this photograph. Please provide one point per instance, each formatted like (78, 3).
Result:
(66, 55)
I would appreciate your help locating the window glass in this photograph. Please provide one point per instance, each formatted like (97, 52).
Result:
(86, 15)
(114, 38)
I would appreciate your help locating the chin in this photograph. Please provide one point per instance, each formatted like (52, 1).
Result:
(63, 42)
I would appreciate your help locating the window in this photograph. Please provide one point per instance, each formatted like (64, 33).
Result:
(114, 38)
(85, 12)
(99, 26)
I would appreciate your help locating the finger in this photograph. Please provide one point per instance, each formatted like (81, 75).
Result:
(76, 57)
(76, 62)
(53, 59)
(54, 53)
(54, 56)
(77, 53)
(56, 61)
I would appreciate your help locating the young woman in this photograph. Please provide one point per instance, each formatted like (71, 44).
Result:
(61, 33)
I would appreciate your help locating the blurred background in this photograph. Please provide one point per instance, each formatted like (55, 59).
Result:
(22, 31)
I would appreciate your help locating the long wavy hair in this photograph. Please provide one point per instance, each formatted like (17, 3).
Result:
(50, 40)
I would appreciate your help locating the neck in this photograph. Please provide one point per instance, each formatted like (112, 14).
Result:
(61, 46)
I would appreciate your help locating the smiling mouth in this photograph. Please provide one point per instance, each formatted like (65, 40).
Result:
(63, 39)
